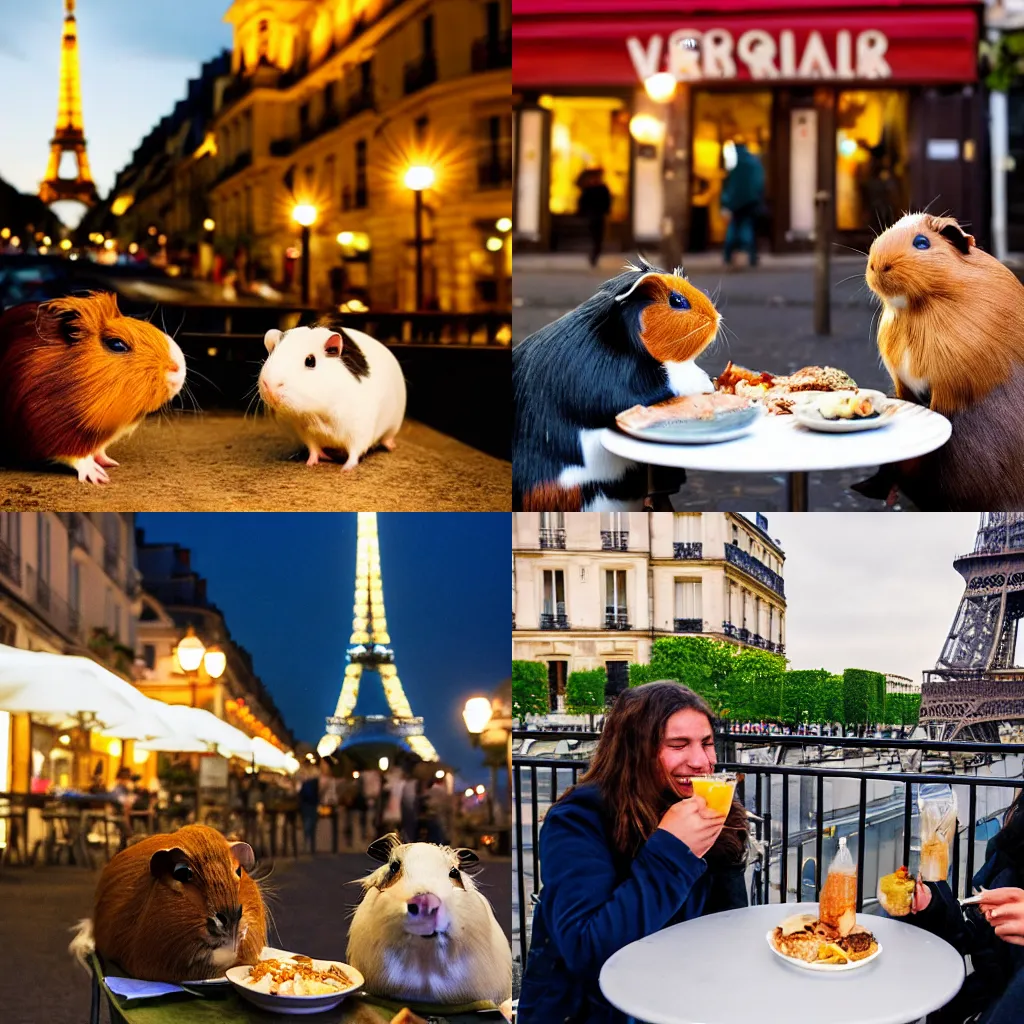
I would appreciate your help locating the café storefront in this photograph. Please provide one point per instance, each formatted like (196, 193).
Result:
(876, 104)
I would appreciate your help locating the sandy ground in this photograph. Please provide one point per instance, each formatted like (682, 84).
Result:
(223, 462)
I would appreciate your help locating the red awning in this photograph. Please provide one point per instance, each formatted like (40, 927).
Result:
(564, 49)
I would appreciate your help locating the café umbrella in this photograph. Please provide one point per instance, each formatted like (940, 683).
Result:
(59, 689)
(195, 730)
(266, 755)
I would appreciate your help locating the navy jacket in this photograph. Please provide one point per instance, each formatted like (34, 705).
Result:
(594, 902)
(996, 963)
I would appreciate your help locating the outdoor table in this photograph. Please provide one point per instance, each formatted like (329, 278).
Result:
(778, 444)
(719, 969)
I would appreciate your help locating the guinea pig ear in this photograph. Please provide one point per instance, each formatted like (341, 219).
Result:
(162, 862)
(271, 338)
(622, 296)
(380, 849)
(242, 852)
(467, 857)
(960, 239)
(332, 346)
(59, 320)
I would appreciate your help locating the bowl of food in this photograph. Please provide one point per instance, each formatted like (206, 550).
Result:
(295, 984)
(896, 893)
(809, 943)
(844, 412)
(691, 419)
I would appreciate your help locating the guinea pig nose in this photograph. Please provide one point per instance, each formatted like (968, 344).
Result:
(424, 905)
(871, 265)
(886, 268)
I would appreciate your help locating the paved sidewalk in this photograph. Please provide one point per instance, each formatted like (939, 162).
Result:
(308, 898)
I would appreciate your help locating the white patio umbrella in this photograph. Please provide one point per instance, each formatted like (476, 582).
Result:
(59, 688)
(195, 730)
(266, 755)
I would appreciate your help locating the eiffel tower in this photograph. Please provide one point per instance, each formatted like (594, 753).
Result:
(69, 135)
(976, 684)
(369, 649)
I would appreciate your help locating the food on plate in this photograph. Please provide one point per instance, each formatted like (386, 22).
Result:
(406, 1016)
(845, 406)
(687, 407)
(896, 892)
(802, 937)
(773, 389)
(297, 976)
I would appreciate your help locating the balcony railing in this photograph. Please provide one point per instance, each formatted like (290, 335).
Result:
(420, 73)
(688, 550)
(756, 568)
(615, 540)
(688, 625)
(240, 163)
(800, 823)
(616, 620)
(55, 610)
(492, 52)
(552, 537)
(10, 563)
(554, 620)
(42, 593)
(362, 100)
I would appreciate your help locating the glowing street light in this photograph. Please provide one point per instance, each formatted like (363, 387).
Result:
(190, 651)
(383, 763)
(476, 714)
(215, 661)
(503, 224)
(304, 214)
(65, 244)
(346, 237)
(495, 244)
(418, 178)
(209, 224)
(661, 87)
(328, 745)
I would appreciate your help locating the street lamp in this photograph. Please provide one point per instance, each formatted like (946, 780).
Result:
(215, 661)
(305, 216)
(489, 724)
(190, 651)
(417, 179)
(209, 224)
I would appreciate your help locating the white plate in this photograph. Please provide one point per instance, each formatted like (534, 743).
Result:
(804, 397)
(823, 968)
(267, 953)
(294, 1004)
(724, 427)
(813, 420)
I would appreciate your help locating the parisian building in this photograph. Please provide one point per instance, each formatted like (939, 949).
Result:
(595, 589)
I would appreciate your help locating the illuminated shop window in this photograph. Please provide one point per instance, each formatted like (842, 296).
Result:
(872, 189)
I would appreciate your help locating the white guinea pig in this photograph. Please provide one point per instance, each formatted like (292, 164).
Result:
(337, 389)
(424, 933)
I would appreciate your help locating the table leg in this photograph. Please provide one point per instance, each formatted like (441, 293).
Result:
(654, 501)
(796, 488)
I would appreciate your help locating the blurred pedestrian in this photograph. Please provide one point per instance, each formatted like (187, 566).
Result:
(594, 204)
(372, 786)
(309, 801)
(327, 794)
(743, 199)
(410, 809)
(436, 811)
(395, 784)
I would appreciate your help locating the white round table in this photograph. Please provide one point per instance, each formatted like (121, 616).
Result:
(719, 969)
(778, 444)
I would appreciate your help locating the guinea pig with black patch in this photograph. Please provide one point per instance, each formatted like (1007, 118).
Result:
(177, 907)
(76, 376)
(951, 335)
(337, 389)
(632, 343)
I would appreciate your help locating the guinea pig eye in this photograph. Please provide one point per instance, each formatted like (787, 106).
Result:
(182, 873)
(116, 345)
(311, 361)
(395, 866)
(238, 871)
(921, 242)
(454, 875)
(677, 301)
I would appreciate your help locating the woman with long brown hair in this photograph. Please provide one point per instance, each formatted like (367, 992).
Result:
(628, 852)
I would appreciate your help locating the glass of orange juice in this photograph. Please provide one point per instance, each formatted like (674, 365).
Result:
(716, 790)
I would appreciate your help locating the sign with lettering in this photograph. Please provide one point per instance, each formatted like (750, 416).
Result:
(692, 54)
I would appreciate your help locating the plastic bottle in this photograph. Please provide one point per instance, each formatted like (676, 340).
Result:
(838, 907)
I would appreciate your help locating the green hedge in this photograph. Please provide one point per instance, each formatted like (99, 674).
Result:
(863, 696)
(529, 689)
(584, 692)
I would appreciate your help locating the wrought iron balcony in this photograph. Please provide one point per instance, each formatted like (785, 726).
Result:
(42, 593)
(111, 563)
(76, 532)
(552, 537)
(728, 629)
(420, 73)
(491, 52)
(689, 625)
(755, 568)
(743, 635)
(758, 641)
(616, 620)
(74, 620)
(615, 540)
(552, 620)
(688, 550)
(362, 100)
(10, 563)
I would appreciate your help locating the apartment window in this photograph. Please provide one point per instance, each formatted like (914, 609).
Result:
(687, 529)
(43, 548)
(689, 611)
(494, 156)
(736, 535)
(10, 531)
(149, 655)
(552, 529)
(616, 615)
(263, 41)
(304, 119)
(493, 11)
(615, 531)
(428, 34)
(108, 611)
(553, 613)
(557, 671)
(771, 623)
(420, 126)
(329, 89)
(366, 76)
(757, 615)
(362, 198)
(618, 679)
(74, 585)
(116, 630)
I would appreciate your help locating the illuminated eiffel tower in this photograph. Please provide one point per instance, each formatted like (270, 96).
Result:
(977, 683)
(69, 135)
(369, 649)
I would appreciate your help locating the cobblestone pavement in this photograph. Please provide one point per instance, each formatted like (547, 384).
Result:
(308, 897)
(769, 316)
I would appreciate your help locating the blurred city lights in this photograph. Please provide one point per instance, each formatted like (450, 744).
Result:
(419, 178)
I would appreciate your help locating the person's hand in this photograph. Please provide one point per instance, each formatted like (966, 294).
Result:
(1004, 910)
(692, 822)
(922, 896)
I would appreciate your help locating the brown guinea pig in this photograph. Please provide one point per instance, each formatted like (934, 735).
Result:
(75, 376)
(180, 907)
(951, 335)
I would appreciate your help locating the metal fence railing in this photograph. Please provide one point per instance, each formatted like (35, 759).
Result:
(801, 810)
